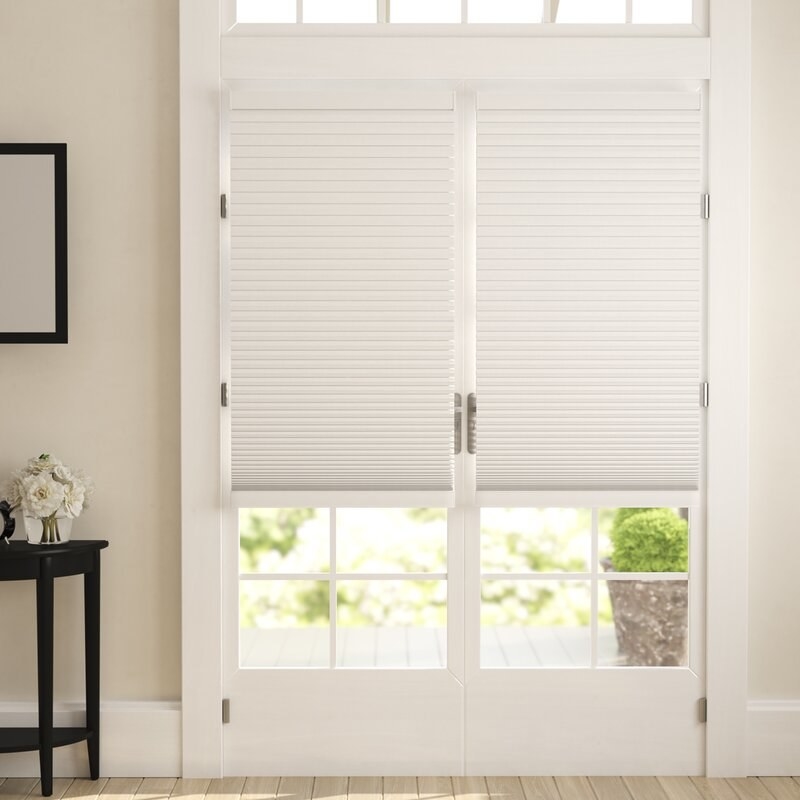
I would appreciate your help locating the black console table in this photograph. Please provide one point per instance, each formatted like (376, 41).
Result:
(20, 561)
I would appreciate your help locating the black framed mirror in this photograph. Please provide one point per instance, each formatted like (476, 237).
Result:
(33, 243)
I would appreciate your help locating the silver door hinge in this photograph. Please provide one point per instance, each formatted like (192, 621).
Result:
(223, 206)
(704, 394)
(472, 424)
(226, 711)
(705, 206)
(223, 395)
(702, 709)
(457, 423)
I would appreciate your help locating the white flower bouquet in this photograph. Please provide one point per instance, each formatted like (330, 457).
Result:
(48, 490)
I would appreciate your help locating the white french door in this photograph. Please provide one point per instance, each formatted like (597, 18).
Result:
(537, 250)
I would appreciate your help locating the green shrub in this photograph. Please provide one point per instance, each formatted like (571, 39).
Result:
(649, 540)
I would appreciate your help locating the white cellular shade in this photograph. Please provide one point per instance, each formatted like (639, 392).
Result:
(341, 292)
(589, 291)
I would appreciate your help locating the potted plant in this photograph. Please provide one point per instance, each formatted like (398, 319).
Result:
(650, 616)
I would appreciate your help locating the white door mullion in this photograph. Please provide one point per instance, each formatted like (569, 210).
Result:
(461, 347)
(472, 593)
(467, 120)
(594, 587)
(332, 589)
(455, 592)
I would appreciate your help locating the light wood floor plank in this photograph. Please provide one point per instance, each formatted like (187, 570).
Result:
(434, 788)
(537, 788)
(120, 788)
(400, 787)
(329, 788)
(295, 789)
(470, 788)
(155, 788)
(190, 788)
(575, 788)
(88, 789)
(610, 788)
(505, 788)
(225, 788)
(364, 788)
(645, 788)
(60, 788)
(680, 788)
(260, 788)
(750, 789)
(714, 789)
(17, 788)
(782, 788)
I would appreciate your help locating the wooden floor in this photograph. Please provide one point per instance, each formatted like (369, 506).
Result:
(410, 789)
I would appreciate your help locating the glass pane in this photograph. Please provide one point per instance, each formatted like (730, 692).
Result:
(425, 10)
(284, 623)
(607, 647)
(391, 540)
(590, 11)
(505, 10)
(535, 623)
(391, 624)
(340, 11)
(266, 11)
(284, 540)
(662, 11)
(650, 620)
(644, 539)
(535, 539)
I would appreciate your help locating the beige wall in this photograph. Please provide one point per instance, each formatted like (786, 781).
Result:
(774, 360)
(102, 75)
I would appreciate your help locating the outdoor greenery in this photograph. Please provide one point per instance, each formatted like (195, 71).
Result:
(649, 540)
(520, 540)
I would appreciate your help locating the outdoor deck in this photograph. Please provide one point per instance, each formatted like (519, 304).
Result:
(423, 648)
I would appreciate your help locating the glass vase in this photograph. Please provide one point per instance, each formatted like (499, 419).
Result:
(48, 530)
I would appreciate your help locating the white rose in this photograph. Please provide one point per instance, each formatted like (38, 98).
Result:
(43, 463)
(73, 500)
(41, 495)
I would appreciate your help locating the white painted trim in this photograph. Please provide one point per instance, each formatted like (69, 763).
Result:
(200, 404)
(773, 737)
(136, 739)
(382, 57)
(555, 498)
(299, 498)
(464, 30)
(728, 374)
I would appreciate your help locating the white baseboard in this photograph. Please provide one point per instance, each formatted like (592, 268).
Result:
(136, 739)
(773, 737)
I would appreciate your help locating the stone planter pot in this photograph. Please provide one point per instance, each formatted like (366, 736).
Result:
(651, 621)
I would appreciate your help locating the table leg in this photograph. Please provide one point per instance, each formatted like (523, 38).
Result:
(91, 605)
(44, 650)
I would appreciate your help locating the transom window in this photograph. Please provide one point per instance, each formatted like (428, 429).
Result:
(658, 12)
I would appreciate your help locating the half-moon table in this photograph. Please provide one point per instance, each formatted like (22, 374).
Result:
(20, 561)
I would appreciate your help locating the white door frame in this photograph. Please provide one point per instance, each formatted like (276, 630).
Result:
(201, 51)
